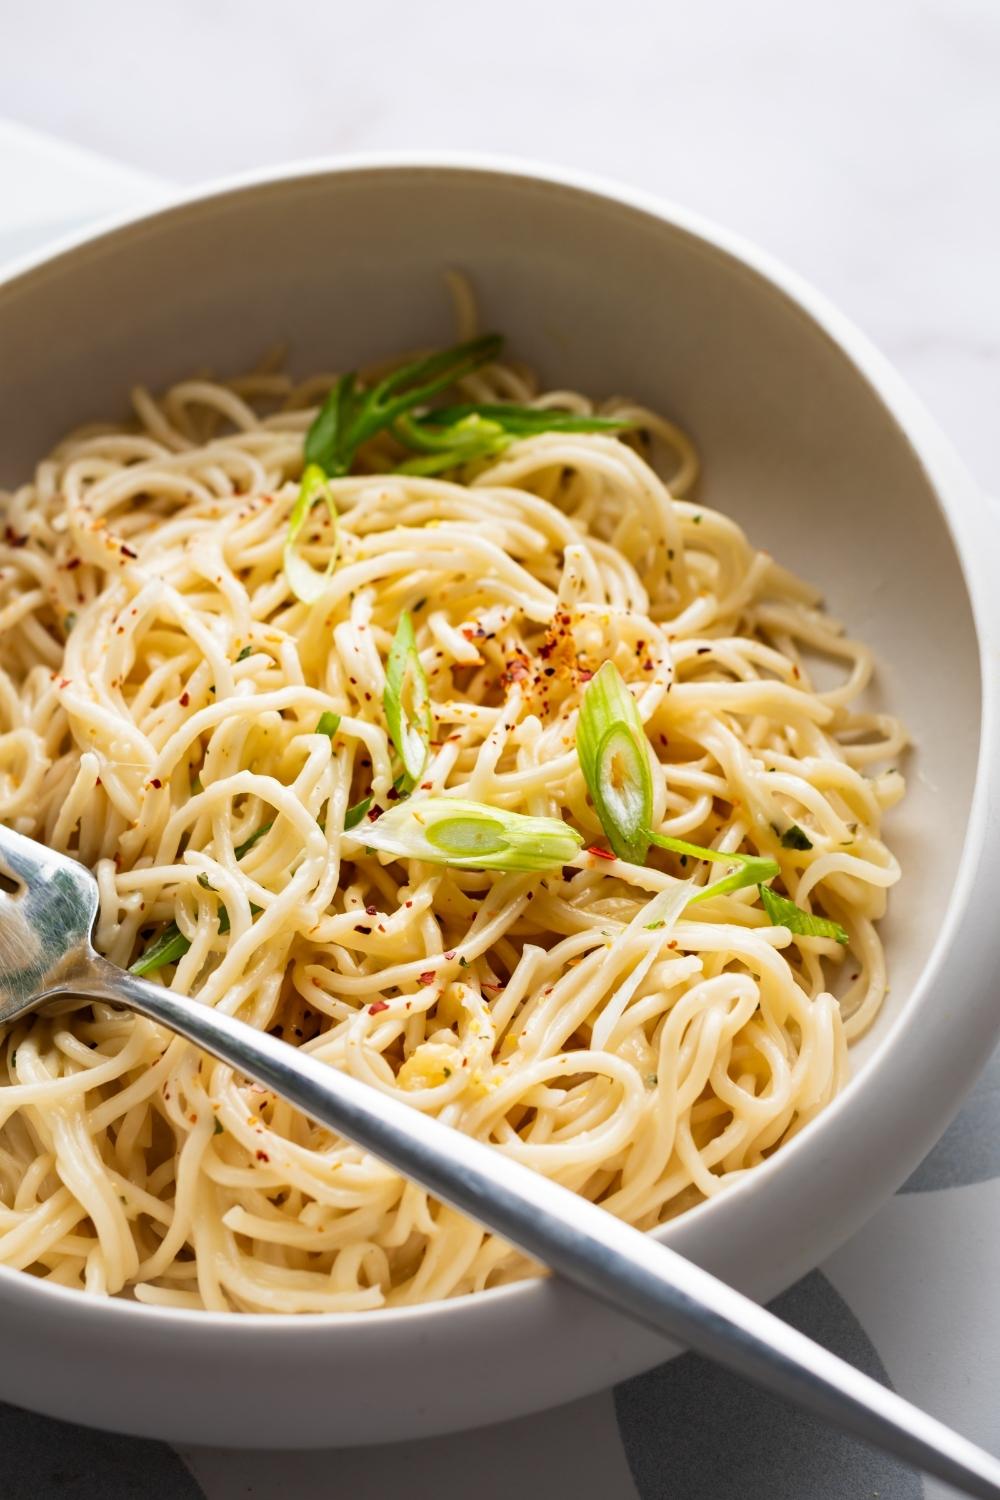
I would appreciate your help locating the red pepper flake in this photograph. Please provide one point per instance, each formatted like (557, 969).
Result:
(450, 954)
(359, 928)
(64, 682)
(426, 977)
(156, 782)
(128, 551)
(185, 699)
(371, 911)
(74, 562)
(494, 989)
(584, 674)
(374, 813)
(377, 1007)
(426, 786)
(600, 853)
(262, 1156)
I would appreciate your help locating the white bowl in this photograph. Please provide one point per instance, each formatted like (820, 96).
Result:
(816, 447)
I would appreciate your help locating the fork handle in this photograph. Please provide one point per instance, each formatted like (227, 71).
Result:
(630, 1271)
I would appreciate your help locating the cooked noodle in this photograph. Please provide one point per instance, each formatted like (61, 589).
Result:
(159, 695)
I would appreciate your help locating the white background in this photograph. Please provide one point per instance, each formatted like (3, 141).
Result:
(858, 140)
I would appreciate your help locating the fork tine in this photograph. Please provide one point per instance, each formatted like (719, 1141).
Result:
(28, 860)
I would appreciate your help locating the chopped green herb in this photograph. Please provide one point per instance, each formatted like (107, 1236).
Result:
(219, 1128)
(328, 723)
(353, 815)
(794, 838)
(406, 701)
(69, 621)
(247, 651)
(172, 945)
(613, 753)
(305, 582)
(447, 447)
(349, 416)
(785, 913)
(453, 831)
(455, 435)
(752, 869)
(248, 844)
(168, 948)
(526, 421)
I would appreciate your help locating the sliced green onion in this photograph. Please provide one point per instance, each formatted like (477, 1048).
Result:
(447, 447)
(305, 581)
(254, 838)
(526, 421)
(171, 943)
(784, 913)
(454, 435)
(795, 838)
(325, 444)
(168, 948)
(613, 752)
(452, 831)
(354, 814)
(349, 417)
(328, 723)
(753, 869)
(406, 701)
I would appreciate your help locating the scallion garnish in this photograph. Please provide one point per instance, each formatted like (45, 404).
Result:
(254, 838)
(445, 437)
(406, 701)
(354, 814)
(614, 758)
(171, 944)
(526, 421)
(349, 416)
(168, 948)
(305, 581)
(454, 435)
(452, 831)
(795, 838)
(752, 869)
(785, 913)
(328, 723)
(446, 447)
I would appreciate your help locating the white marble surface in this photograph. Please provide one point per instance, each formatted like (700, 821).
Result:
(858, 141)
(861, 143)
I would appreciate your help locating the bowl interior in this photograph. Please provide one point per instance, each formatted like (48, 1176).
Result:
(599, 296)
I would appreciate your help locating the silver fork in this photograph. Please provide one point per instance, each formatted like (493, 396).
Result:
(45, 952)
